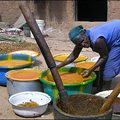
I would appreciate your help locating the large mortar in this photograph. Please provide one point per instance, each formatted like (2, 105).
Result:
(60, 114)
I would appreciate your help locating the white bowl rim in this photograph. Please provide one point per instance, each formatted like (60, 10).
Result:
(42, 93)
(105, 93)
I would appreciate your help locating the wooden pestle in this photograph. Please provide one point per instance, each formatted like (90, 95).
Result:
(64, 97)
(108, 102)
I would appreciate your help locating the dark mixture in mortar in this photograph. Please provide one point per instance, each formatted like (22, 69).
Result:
(83, 105)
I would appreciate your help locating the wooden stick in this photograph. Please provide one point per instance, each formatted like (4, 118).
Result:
(44, 48)
(107, 104)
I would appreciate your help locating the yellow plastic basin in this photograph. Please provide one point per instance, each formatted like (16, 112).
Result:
(62, 56)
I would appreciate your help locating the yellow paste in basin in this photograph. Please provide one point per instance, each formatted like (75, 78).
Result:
(62, 57)
(85, 65)
(13, 63)
(24, 74)
(70, 78)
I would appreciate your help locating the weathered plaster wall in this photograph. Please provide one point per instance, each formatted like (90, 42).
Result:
(55, 13)
(10, 12)
(113, 9)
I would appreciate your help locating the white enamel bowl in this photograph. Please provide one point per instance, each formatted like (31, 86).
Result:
(39, 97)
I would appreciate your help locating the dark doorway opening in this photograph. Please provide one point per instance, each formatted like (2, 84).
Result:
(91, 10)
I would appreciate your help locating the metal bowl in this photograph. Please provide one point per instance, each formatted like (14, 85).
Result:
(39, 97)
(15, 86)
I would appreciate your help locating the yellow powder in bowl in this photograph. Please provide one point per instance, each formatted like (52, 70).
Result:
(69, 78)
(13, 63)
(61, 57)
(24, 74)
(85, 65)
(28, 104)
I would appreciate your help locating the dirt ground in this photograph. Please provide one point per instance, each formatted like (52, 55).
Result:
(58, 42)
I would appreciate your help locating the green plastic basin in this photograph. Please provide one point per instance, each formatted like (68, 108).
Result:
(50, 88)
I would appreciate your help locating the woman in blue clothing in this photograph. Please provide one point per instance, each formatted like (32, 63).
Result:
(103, 39)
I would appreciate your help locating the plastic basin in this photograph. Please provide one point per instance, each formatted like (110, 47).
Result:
(51, 89)
(28, 52)
(4, 69)
(62, 56)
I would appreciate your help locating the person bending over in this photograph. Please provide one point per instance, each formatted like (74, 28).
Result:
(103, 39)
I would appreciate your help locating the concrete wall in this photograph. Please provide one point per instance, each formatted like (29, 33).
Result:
(10, 12)
(55, 13)
(113, 9)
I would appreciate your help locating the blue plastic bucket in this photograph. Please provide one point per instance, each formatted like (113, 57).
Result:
(4, 69)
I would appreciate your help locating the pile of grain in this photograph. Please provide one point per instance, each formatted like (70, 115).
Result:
(6, 47)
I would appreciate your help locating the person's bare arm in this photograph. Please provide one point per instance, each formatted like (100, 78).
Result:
(74, 54)
(101, 48)
(103, 52)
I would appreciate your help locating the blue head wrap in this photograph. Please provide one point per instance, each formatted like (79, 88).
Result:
(74, 32)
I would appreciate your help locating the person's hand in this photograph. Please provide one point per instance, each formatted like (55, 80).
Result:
(85, 73)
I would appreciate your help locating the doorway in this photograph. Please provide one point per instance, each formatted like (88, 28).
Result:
(91, 10)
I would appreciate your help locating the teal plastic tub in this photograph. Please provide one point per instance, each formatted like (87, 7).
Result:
(82, 87)
(4, 69)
